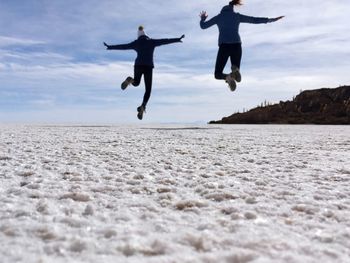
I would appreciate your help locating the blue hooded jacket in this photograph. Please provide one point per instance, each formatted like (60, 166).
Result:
(228, 23)
(144, 46)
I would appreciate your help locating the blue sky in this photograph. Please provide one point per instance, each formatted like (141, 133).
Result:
(54, 68)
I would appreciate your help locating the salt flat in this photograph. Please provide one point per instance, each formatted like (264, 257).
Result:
(175, 194)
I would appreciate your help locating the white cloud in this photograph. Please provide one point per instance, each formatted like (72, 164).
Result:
(43, 103)
(10, 41)
(36, 58)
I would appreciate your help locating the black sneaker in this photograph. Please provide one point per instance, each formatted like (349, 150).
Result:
(127, 82)
(140, 111)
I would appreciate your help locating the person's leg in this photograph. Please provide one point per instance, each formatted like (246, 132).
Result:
(236, 57)
(148, 77)
(134, 81)
(221, 61)
(137, 76)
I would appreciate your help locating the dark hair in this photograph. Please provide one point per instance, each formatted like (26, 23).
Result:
(235, 2)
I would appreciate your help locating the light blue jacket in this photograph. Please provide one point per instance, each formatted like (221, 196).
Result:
(228, 23)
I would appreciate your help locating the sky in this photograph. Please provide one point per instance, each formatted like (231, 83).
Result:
(55, 69)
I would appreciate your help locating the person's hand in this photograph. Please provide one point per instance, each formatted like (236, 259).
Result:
(277, 18)
(104, 43)
(182, 37)
(203, 15)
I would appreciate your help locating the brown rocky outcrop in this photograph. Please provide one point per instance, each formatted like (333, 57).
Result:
(321, 106)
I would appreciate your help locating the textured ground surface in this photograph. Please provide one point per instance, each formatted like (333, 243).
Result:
(165, 194)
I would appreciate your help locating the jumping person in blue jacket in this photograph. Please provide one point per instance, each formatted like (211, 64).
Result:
(144, 46)
(230, 45)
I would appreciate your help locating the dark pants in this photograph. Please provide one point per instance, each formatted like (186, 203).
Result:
(147, 72)
(232, 51)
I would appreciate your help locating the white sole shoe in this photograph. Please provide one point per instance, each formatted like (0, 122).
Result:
(235, 74)
(231, 83)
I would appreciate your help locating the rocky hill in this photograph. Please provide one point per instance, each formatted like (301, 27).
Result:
(321, 106)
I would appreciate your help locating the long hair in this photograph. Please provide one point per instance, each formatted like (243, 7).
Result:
(236, 2)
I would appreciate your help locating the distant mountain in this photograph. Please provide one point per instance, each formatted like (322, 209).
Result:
(321, 106)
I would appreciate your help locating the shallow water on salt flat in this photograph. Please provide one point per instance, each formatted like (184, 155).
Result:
(175, 193)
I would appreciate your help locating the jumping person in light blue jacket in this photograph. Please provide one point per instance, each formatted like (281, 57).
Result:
(230, 45)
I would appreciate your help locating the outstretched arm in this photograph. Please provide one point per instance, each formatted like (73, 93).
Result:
(120, 47)
(166, 41)
(206, 24)
(257, 20)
